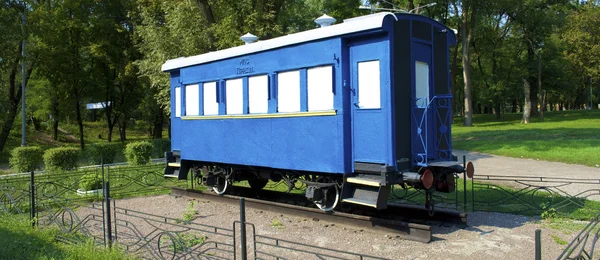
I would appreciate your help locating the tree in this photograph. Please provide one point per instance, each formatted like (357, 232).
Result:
(581, 34)
(10, 59)
(468, 26)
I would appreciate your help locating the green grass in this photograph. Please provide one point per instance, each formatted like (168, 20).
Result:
(559, 240)
(20, 241)
(565, 136)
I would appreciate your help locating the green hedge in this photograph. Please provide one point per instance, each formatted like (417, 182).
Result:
(61, 158)
(160, 147)
(138, 153)
(26, 159)
(90, 181)
(106, 152)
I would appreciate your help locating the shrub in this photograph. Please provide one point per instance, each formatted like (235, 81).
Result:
(138, 152)
(90, 181)
(104, 152)
(61, 158)
(160, 147)
(26, 159)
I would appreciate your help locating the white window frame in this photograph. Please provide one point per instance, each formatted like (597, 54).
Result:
(192, 100)
(369, 85)
(178, 102)
(258, 94)
(319, 90)
(421, 84)
(234, 96)
(288, 91)
(209, 98)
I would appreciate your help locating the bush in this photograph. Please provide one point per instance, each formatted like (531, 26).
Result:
(90, 181)
(26, 159)
(106, 152)
(160, 147)
(138, 153)
(61, 158)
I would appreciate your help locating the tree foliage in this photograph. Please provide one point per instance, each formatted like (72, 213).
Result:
(89, 51)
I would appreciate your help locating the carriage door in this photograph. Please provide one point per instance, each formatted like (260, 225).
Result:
(423, 142)
(369, 82)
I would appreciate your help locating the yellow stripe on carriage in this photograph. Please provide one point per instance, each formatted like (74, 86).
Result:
(254, 116)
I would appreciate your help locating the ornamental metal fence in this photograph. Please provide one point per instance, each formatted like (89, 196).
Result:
(57, 200)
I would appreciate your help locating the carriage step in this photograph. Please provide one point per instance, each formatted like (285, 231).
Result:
(174, 175)
(366, 180)
(363, 202)
(174, 164)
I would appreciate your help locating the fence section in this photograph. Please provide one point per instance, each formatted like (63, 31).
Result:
(534, 195)
(583, 245)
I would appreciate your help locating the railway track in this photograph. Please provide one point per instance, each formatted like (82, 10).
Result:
(396, 220)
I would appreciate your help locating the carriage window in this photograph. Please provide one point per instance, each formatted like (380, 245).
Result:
(421, 83)
(288, 94)
(211, 106)
(258, 94)
(177, 102)
(369, 85)
(319, 87)
(234, 99)
(192, 102)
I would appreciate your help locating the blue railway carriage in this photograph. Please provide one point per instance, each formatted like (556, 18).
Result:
(345, 110)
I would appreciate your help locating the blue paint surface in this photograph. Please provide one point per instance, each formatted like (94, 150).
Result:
(330, 144)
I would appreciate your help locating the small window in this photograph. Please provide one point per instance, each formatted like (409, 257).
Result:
(368, 85)
(178, 102)
(211, 106)
(258, 94)
(192, 100)
(234, 99)
(319, 87)
(421, 84)
(288, 94)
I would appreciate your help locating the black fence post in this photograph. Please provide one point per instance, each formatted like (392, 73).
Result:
(538, 244)
(108, 215)
(465, 183)
(243, 225)
(32, 203)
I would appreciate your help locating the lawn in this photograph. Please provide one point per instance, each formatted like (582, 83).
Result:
(565, 136)
(20, 241)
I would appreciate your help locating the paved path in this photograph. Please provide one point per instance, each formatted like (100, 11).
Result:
(487, 164)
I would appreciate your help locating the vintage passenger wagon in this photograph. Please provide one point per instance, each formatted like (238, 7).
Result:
(348, 110)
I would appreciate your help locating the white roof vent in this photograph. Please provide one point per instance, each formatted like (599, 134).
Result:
(249, 38)
(325, 20)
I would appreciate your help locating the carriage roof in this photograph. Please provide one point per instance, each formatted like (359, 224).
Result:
(358, 24)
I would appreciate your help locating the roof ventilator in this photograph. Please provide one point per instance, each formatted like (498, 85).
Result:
(249, 38)
(325, 20)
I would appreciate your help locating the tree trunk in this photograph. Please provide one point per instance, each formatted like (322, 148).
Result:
(123, 128)
(80, 124)
(55, 112)
(467, 35)
(540, 95)
(453, 72)
(158, 124)
(527, 105)
(8, 124)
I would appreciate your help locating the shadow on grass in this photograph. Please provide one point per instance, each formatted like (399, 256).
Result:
(20, 241)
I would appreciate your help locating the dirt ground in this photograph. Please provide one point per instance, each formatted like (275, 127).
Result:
(487, 235)
(502, 236)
